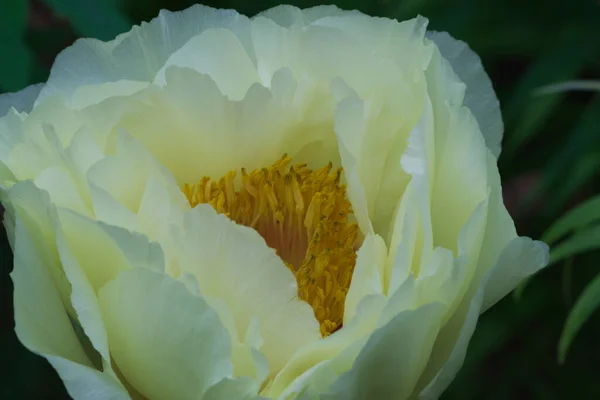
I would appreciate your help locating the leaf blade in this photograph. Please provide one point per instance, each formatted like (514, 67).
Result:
(587, 303)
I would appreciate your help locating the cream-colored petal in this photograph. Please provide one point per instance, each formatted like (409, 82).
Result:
(456, 285)
(22, 101)
(233, 263)
(460, 181)
(465, 326)
(124, 176)
(228, 65)
(43, 326)
(103, 250)
(387, 38)
(509, 258)
(33, 207)
(167, 342)
(210, 135)
(479, 96)
(29, 149)
(393, 357)
(84, 383)
(287, 15)
(329, 353)
(372, 138)
(332, 355)
(521, 258)
(83, 151)
(107, 209)
(367, 278)
(138, 54)
(84, 301)
(159, 208)
(62, 189)
(89, 95)
(239, 389)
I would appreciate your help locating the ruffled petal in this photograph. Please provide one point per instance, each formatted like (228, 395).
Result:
(21, 101)
(479, 96)
(138, 54)
(44, 327)
(167, 342)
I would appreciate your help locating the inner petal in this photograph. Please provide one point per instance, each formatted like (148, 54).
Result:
(305, 216)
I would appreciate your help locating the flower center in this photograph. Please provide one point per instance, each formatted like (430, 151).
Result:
(303, 215)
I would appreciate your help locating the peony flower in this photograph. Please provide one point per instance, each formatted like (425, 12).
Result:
(304, 204)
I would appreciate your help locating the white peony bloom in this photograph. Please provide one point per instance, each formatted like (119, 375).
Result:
(304, 204)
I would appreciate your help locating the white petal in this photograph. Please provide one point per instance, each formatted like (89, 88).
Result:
(43, 326)
(521, 258)
(167, 342)
(228, 65)
(108, 209)
(136, 55)
(85, 303)
(462, 328)
(509, 258)
(332, 355)
(460, 182)
(367, 278)
(287, 15)
(103, 250)
(124, 176)
(33, 207)
(238, 389)
(86, 96)
(62, 189)
(479, 96)
(42, 323)
(21, 101)
(84, 383)
(233, 263)
(209, 134)
(393, 357)
(372, 139)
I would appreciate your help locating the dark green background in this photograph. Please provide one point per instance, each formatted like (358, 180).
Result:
(550, 162)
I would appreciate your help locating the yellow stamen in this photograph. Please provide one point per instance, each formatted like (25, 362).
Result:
(304, 216)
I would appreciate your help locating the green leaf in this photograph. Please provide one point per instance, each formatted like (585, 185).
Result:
(582, 241)
(17, 59)
(587, 303)
(568, 86)
(98, 19)
(572, 165)
(578, 218)
(527, 113)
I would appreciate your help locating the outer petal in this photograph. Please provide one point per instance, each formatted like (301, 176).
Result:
(228, 65)
(33, 208)
(167, 342)
(286, 15)
(392, 358)
(239, 389)
(448, 371)
(315, 367)
(44, 327)
(21, 101)
(136, 55)
(479, 96)
(509, 258)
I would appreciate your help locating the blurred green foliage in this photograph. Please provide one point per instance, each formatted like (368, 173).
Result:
(550, 163)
